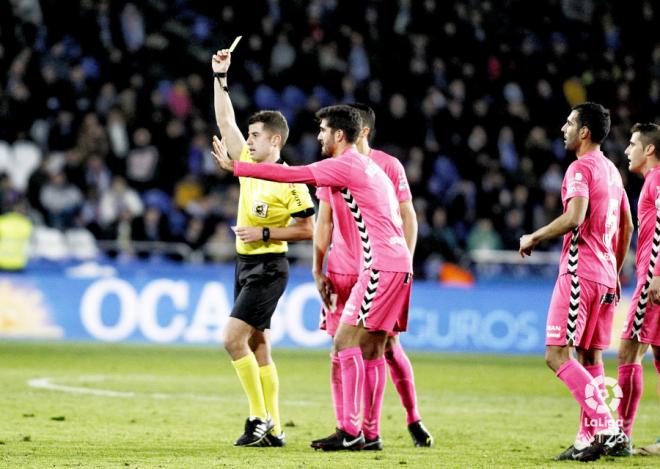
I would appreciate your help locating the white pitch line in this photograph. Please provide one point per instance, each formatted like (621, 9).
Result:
(46, 383)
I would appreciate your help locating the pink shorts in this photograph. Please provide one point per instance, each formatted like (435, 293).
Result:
(379, 301)
(342, 285)
(647, 323)
(589, 324)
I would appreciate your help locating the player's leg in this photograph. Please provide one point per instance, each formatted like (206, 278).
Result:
(631, 352)
(335, 386)
(656, 362)
(342, 285)
(575, 319)
(349, 436)
(403, 378)
(579, 382)
(630, 379)
(373, 351)
(328, 323)
(592, 361)
(336, 393)
(653, 449)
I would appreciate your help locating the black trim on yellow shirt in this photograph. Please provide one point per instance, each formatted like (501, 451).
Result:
(308, 212)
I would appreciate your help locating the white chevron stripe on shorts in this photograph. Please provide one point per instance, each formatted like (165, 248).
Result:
(574, 301)
(368, 299)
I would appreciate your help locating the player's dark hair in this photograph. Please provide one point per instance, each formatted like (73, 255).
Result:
(594, 117)
(368, 117)
(273, 121)
(649, 134)
(342, 117)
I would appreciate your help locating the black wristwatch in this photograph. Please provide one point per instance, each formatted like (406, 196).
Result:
(265, 234)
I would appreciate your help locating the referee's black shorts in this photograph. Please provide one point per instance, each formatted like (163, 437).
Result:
(259, 282)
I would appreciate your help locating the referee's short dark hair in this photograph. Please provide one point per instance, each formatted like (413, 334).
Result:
(273, 121)
(342, 117)
(594, 117)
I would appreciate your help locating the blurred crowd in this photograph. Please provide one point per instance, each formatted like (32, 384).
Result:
(116, 99)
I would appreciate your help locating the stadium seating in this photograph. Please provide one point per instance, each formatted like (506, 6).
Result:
(48, 243)
(81, 244)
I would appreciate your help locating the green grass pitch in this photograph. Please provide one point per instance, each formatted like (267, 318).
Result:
(182, 407)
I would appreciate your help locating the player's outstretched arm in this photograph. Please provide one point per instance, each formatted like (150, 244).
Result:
(274, 172)
(224, 110)
(575, 213)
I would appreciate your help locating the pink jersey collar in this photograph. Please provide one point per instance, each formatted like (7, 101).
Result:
(592, 153)
(648, 173)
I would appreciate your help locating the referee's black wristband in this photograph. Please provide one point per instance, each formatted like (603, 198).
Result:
(217, 76)
(265, 234)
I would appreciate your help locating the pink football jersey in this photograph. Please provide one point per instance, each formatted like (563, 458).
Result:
(369, 195)
(346, 245)
(648, 210)
(595, 177)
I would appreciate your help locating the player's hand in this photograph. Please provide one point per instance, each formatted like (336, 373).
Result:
(324, 286)
(220, 61)
(527, 244)
(654, 291)
(220, 155)
(618, 290)
(249, 234)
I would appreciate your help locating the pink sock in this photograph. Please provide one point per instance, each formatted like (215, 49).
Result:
(374, 389)
(401, 373)
(578, 380)
(335, 386)
(586, 432)
(631, 381)
(352, 388)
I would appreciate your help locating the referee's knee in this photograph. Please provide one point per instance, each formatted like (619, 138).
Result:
(234, 344)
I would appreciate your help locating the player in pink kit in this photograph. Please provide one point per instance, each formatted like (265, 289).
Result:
(597, 227)
(342, 274)
(643, 324)
(378, 302)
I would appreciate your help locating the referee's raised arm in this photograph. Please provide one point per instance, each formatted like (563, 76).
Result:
(224, 111)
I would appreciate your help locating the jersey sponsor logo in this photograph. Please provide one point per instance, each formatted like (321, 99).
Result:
(349, 309)
(403, 183)
(575, 185)
(260, 209)
(578, 176)
(553, 332)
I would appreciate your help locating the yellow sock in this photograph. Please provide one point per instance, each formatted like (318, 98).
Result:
(247, 369)
(270, 382)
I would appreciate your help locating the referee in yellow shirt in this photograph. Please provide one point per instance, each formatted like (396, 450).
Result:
(265, 212)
